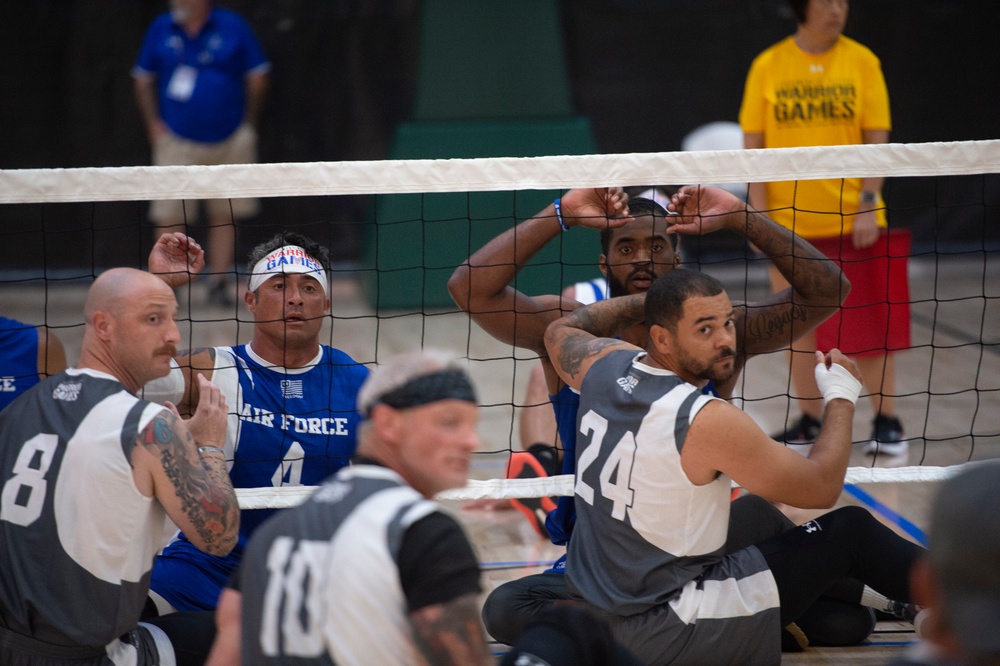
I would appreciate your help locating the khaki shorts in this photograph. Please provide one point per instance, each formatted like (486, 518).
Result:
(172, 150)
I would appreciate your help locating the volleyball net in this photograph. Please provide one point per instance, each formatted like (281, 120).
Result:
(422, 218)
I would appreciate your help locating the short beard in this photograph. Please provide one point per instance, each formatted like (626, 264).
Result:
(618, 288)
(708, 371)
(615, 287)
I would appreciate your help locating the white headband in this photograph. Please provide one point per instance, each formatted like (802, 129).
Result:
(287, 259)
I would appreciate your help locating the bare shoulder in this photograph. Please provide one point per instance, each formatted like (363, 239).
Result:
(710, 439)
(198, 358)
(51, 353)
(194, 490)
(157, 446)
(166, 437)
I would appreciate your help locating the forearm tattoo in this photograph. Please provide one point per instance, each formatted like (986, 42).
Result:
(610, 317)
(450, 633)
(199, 487)
(770, 322)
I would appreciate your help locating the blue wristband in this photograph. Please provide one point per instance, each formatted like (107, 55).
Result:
(562, 223)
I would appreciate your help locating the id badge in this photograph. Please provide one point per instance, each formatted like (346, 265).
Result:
(182, 83)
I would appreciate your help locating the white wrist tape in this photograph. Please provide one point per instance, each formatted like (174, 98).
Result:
(836, 382)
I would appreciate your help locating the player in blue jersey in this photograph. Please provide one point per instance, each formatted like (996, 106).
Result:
(293, 418)
(369, 570)
(638, 244)
(28, 354)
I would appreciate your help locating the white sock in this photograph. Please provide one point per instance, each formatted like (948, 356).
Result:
(873, 599)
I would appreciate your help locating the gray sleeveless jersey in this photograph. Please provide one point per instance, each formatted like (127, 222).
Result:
(77, 538)
(320, 583)
(647, 545)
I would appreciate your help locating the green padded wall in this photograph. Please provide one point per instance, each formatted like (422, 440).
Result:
(492, 83)
(489, 59)
(418, 240)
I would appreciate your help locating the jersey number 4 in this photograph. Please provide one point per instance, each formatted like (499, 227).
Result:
(24, 493)
(616, 473)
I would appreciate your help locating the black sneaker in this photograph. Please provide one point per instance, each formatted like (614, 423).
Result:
(803, 431)
(898, 610)
(887, 437)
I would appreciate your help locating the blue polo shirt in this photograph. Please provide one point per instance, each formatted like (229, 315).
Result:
(200, 79)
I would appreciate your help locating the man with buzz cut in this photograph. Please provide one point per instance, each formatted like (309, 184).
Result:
(293, 418)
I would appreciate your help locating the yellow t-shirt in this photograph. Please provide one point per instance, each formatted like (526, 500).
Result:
(796, 98)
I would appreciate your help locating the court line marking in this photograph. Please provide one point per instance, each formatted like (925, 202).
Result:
(888, 513)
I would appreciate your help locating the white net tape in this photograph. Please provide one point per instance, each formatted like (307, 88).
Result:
(496, 174)
(553, 486)
(502, 174)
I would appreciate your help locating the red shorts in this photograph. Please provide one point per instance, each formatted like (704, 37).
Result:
(875, 318)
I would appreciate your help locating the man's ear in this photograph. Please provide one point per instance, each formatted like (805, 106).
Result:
(103, 322)
(387, 423)
(662, 339)
(250, 300)
(602, 263)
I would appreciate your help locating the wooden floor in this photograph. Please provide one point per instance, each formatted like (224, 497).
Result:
(949, 387)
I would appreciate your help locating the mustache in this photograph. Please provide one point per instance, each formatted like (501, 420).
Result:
(642, 271)
(170, 350)
(728, 352)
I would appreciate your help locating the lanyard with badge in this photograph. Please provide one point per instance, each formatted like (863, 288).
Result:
(182, 82)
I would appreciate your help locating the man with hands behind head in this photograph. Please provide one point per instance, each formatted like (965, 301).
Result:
(638, 244)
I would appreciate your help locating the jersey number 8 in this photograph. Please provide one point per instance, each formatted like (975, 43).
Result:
(24, 494)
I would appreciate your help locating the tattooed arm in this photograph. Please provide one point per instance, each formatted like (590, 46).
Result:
(575, 341)
(451, 633)
(818, 286)
(193, 487)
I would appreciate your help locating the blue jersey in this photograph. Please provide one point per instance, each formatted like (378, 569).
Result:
(287, 427)
(200, 79)
(18, 359)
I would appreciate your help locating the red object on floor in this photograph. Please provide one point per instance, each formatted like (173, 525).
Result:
(523, 465)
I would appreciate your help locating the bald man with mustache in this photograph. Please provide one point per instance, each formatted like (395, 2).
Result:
(94, 481)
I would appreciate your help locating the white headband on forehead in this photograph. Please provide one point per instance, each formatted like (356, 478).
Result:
(287, 259)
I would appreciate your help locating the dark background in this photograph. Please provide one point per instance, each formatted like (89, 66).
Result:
(344, 75)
